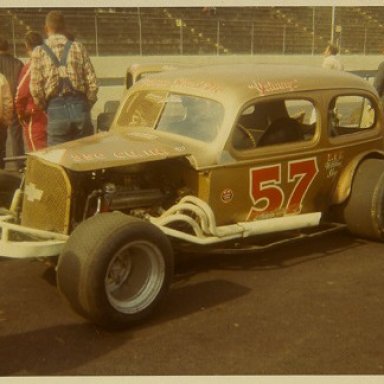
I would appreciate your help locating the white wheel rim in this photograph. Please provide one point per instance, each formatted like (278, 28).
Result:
(134, 277)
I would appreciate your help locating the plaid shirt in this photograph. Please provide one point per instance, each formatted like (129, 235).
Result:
(45, 76)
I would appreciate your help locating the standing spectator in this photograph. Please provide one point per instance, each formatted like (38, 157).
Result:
(6, 114)
(32, 118)
(378, 82)
(10, 67)
(63, 81)
(210, 11)
(331, 61)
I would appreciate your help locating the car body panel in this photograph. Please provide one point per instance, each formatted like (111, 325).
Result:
(107, 150)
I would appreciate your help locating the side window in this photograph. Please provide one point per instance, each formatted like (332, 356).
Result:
(301, 110)
(350, 114)
(274, 123)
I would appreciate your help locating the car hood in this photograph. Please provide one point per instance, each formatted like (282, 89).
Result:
(110, 149)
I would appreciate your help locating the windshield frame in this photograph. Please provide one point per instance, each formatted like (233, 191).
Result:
(126, 122)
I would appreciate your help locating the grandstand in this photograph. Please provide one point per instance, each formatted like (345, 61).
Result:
(191, 31)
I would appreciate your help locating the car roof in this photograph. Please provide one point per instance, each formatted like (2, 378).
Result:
(240, 81)
(137, 69)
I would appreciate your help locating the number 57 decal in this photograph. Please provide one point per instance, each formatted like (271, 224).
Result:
(268, 196)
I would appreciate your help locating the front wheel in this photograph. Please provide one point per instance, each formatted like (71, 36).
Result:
(115, 269)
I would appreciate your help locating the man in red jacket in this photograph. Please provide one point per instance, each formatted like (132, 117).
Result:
(32, 118)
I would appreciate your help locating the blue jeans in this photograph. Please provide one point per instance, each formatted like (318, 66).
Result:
(68, 119)
(16, 133)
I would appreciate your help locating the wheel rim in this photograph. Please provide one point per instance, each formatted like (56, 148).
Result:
(135, 276)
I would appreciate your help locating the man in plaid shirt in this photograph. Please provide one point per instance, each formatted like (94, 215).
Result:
(63, 82)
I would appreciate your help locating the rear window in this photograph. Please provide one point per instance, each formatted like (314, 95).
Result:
(351, 114)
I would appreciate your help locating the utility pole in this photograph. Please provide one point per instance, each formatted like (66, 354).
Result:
(333, 24)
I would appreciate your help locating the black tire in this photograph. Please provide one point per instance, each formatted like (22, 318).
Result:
(364, 209)
(9, 182)
(115, 269)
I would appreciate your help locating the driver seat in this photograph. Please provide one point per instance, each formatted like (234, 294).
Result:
(282, 130)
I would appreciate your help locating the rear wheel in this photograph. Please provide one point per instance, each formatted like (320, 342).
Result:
(364, 209)
(115, 269)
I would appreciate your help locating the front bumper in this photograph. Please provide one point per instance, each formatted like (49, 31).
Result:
(18, 241)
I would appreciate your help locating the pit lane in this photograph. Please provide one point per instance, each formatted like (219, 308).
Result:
(311, 308)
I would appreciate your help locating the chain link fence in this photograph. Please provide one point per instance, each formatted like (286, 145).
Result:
(137, 34)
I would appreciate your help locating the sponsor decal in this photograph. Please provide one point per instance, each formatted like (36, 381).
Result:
(333, 164)
(202, 85)
(266, 87)
(32, 193)
(181, 83)
(128, 155)
(180, 148)
(79, 157)
(227, 195)
(142, 135)
(155, 152)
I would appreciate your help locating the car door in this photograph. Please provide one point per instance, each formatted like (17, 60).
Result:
(274, 169)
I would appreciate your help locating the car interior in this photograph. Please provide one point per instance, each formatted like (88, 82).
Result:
(271, 123)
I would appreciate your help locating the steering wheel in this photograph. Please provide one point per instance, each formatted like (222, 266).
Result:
(248, 135)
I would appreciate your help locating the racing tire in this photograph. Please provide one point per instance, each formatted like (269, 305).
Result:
(115, 269)
(364, 209)
(9, 182)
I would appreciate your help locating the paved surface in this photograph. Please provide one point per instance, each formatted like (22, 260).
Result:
(316, 307)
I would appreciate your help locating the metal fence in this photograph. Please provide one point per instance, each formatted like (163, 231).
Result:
(137, 34)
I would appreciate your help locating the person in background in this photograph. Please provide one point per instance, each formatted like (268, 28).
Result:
(378, 81)
(63, 81)
(6, 115)
(10, 67)
(32, 118)
(331, 61)
(210, 11)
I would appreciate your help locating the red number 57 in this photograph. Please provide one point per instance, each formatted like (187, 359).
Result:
(267, 195)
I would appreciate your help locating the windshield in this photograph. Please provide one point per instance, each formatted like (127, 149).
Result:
(184, 115)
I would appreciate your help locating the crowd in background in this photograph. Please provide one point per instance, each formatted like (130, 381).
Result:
(46, 101)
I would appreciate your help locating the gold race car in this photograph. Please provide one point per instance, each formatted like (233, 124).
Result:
(220, 158)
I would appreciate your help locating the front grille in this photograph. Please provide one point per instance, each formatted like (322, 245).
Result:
(47, 197)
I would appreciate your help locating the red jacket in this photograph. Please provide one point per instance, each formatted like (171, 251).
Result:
(33, 119)
(24, 104)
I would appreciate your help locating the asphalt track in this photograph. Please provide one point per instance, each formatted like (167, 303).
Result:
(310, 308)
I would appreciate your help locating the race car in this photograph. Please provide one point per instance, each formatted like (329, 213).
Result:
(212, 159)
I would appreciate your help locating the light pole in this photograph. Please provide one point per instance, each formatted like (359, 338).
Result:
(333, 24)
